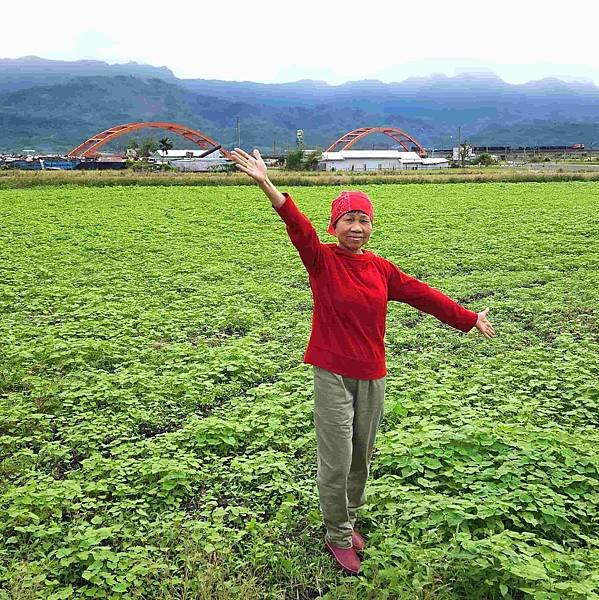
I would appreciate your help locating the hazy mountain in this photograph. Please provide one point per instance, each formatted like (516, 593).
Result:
(58, 117)
(54, 105)
(27, 71)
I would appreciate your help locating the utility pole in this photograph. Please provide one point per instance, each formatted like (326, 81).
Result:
(238, 134)
(274, 146)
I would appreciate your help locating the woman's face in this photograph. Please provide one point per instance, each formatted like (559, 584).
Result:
(353, 230)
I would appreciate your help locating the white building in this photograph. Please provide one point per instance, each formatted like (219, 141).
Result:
(434, 163)
(469, 153)
(169, 155)
(201, 164)
(378, 160)
(189, 160)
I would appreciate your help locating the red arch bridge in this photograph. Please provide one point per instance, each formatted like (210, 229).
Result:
(405, 140)
(90, 147)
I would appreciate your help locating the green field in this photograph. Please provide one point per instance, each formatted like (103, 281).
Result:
(156, 432)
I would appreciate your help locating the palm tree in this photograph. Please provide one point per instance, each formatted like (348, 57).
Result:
(165, 145)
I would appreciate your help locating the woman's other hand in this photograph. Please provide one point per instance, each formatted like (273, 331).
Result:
(484, 325)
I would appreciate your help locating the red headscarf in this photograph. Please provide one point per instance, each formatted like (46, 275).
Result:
(346, 202)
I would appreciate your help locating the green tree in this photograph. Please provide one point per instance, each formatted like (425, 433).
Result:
(294, 160)
(464, 152)
(165, 145)
(148, 146)
(485, 159)
(311, 161)
(132, 149)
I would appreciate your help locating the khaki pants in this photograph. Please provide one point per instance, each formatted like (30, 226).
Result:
(347, 415)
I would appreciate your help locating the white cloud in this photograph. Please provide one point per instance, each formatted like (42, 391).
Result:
(335, 40)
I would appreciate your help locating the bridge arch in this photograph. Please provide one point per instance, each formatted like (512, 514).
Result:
(345, 142)
(90, 147)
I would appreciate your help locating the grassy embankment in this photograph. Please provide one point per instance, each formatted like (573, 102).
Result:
(26, 179)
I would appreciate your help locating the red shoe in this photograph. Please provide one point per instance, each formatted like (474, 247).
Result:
(346, 558)
(358, 542)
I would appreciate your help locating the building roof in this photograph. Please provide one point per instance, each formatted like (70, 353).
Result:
(373, 154)
(184, 153)
(433, 161)
(331, 156)
(207, 160)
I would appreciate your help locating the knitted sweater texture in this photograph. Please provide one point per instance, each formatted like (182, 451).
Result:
(350, 294)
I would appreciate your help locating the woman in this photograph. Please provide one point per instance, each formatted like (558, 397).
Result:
(350, 288)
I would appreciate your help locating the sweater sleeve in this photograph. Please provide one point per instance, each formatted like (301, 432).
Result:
(420, 295)
(301, 233)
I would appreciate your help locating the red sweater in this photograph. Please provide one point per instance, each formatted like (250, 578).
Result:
(350, 293)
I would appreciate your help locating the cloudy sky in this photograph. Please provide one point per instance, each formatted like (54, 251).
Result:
(331, 40)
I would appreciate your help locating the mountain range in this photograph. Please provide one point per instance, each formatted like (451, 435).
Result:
(52, 106)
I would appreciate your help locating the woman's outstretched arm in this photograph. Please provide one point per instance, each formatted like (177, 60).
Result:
(254, 167)
(301, 231)
(420, 295)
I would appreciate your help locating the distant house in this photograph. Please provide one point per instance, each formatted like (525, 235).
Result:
(201, 164)
(169, 155)
(469, 153)
(378, 160)
(189, 160)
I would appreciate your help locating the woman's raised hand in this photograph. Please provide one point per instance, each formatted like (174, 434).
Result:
(251, 165)
(254, 167)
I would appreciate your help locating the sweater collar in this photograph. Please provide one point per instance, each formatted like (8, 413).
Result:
(366, 255)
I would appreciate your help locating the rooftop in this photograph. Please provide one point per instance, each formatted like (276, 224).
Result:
(344, 154)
